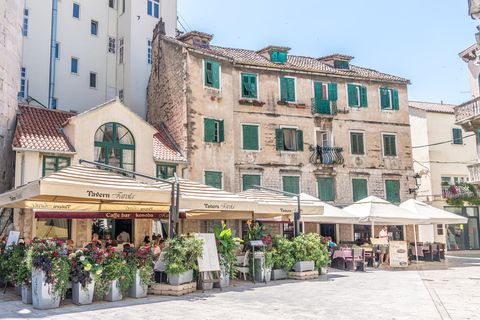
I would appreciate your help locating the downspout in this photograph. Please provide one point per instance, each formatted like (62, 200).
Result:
(22, 169)
(52, 54)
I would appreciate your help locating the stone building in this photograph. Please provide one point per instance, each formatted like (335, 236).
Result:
(320, 126)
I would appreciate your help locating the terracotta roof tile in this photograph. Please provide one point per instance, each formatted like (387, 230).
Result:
(164, 149)
(432, 107)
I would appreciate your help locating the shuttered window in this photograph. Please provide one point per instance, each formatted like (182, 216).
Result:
(212, 75)
(165, 171)
(359, 189)
(250, 137)
(392, 189)
(249, 85)
(287, 89)
(214, 130)
(356, 143)
(388, 99)
(389, 145)
(325, 189)
(52, 164)
(289, 139)
(357, 96)
(291, 184)
(457, 136)
(250, 180)
(278, 56)
(213, 179)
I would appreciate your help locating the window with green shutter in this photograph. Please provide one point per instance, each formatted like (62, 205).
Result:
(212, 74)
(250, 180)
(388, 99)
(357, 96)
(325, 189)
(360, 190)
(165, 171)
(341, 64)
(389, 145)
(249, 85)
(250, 137)
(213, 179)
(287, 89)
(289, 139)
(356, 143)
(278, 56)
(392, 189)
(214, 130)
(457, 136)
(291, 184)
(52, 164)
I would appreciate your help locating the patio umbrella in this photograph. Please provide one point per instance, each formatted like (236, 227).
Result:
(435, 215)
(330, 213)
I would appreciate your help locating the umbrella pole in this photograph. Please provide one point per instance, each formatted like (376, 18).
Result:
(415, 236)
(303, 226)
(372, 235)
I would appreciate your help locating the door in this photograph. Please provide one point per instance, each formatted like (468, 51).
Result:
(464, 236)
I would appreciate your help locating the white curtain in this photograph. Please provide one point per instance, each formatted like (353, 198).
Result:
(52, 228)
(289, 139)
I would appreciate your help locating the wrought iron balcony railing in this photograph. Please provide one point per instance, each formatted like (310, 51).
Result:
(327, 155)
(468, 109)
(324, 107)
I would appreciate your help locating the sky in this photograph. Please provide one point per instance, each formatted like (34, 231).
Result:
(415, 39)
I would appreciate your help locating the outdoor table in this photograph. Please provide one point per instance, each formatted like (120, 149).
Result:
(340, 255)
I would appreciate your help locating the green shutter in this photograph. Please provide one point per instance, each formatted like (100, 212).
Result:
(250, 137)
(253, 86)
(249, 85)
(282, 56)
(221, 131)
(395, 99)
(291, 184)
(245, 86)
(389, 145)
(213, 179)
(279, 138)
(332, 91)
(359, 189)
(384, 99)
(363, 97)
(246, 137)
(392, 189)
(318, 90)
(299, 134)
(254, 137)
(209, 125)
(249, 180)
(209, 181)
(325, 189)
(457, 136)
(356, 139)
(290, 89)
(283, 89)
(218, 180)
(352, 95)
(274, 55)
(216, 74)
(208, 73)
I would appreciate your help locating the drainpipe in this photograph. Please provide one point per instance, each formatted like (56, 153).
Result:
(22, 169)
(52, 54)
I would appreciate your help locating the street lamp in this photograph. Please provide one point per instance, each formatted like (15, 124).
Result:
(417, 178)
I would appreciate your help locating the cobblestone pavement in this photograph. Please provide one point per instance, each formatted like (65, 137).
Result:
(447, 290)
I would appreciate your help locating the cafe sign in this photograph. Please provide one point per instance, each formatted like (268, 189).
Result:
(102, 215)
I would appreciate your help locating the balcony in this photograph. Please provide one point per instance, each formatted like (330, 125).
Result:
(468, 115)
(324, 108)
(453, 191)
(327, 156)
(474, 173)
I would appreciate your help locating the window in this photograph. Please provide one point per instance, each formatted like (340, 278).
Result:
(213, 179)
(250, 137)
(152, 8)
(112, 44)
(57, 50)
(25, 23)
(212, 74)
(111, 4)
(123, 6)
(120, 94)
(325, 189)
(359, 189)
(23, 82)
(206, 226)
(287, 89)
(54, 228)
(54, 103)
(250, 180)
(356, 143)
(457, 136)
(165, 171)
(149, 51)
(341, 64)
(291, 184)
(392, 189)
(120, 51)
(289, 139)
(52, 164)
(388, 99)
(115, 146)
(249, 85)
(325, 91)
(74, 66)
(357, 96)
(278, 56)
(76, 10)
(94, 28)
(214, 130)
(440, 229)
(446, 181)
(93, 80)
(389, 145)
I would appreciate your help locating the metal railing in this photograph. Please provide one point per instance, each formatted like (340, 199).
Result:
(327, 155)
(453, 191)
(468, 109)
(324, 107)
(6, 218)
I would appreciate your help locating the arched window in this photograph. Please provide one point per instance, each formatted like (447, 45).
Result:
(115, 146)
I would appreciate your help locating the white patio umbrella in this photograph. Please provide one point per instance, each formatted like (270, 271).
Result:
(330, 213)
(435, 215)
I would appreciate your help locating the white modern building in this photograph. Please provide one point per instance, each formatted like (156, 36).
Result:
(78, 54)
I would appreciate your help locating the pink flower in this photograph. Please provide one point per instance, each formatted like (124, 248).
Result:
(106, 293)
(73, 261)
(144, 256)
(122, 277)
(95, 255)
(112, 249)
(42, 248)
(60, 242)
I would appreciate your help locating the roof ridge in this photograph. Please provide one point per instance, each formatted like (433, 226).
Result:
(46, 109)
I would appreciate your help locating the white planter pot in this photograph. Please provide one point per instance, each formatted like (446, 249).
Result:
(263, 274)
(278, 274)
(224, 279)
(206, 286)
(82, 296)
(42, 295)
(114, 293)
(18, 290)
(27, 295)
(178, 279)
(138, 289)
(302, 266)
(323, 270)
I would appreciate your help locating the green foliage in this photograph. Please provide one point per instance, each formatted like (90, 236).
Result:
(255, 232)
(464, 193)
(181, 254)
(282, 255)
(226, 247)
(142, 259)
(311, 247)
(114, 267)
(12, 266)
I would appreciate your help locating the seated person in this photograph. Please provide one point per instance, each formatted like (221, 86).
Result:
(146, 241)
(159, 249)
(67, 244)
(94, 244)
(119, 239)
(95, 237)
(126, 249)
(330, 242)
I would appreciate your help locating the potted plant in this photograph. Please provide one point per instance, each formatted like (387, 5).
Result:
(141, 262)
(226, 247)
(301, 105)
(322, 258)
(86, 266)
(305, 251)
(116, 277)
(257, 231)
(21, 275)
(181, 255)
(282, 257)
(9, 262)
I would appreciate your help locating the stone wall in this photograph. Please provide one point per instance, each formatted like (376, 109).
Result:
(345, 232)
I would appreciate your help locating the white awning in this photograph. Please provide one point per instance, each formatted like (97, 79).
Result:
(434, 215)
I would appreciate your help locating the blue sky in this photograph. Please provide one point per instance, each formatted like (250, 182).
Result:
(418, 40)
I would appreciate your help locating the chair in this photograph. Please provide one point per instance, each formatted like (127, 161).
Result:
(433, 253)
(357, 260)
(338, 262)
(159, 268)
(244, 266)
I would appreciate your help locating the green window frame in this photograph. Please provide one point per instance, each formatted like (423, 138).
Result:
(284, 136)
(249, 180)
(287, 89)
(250, 137)
(291, 184)
(115, 146)
(389, 145)
(53, 163)
(249, 85)
(213, 179)
(457, 136)
(360, 189)
(325, 189)
(212, 74)
(356, 143)
(357, 96)
(214, 130)
(165, 171)
(392, 189)
(388, 99)
(278, 56)
(341, 64)
(325, 91)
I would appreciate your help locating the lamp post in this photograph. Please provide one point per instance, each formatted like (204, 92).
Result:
(417, 178)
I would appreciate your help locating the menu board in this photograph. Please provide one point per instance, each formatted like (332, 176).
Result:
(12, 238)
(398, 254)
(209, 259)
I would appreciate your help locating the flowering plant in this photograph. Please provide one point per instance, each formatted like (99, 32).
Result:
(12, 266)
(115, 267)
(311, 247)
(181, 254)
(142, 259)
(226, 247)
(86, 266)
(283, 256)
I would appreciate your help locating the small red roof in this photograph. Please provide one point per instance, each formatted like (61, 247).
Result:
(432, 106)
(164, 149)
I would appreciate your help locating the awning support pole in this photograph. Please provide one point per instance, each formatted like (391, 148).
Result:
(415, 236)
